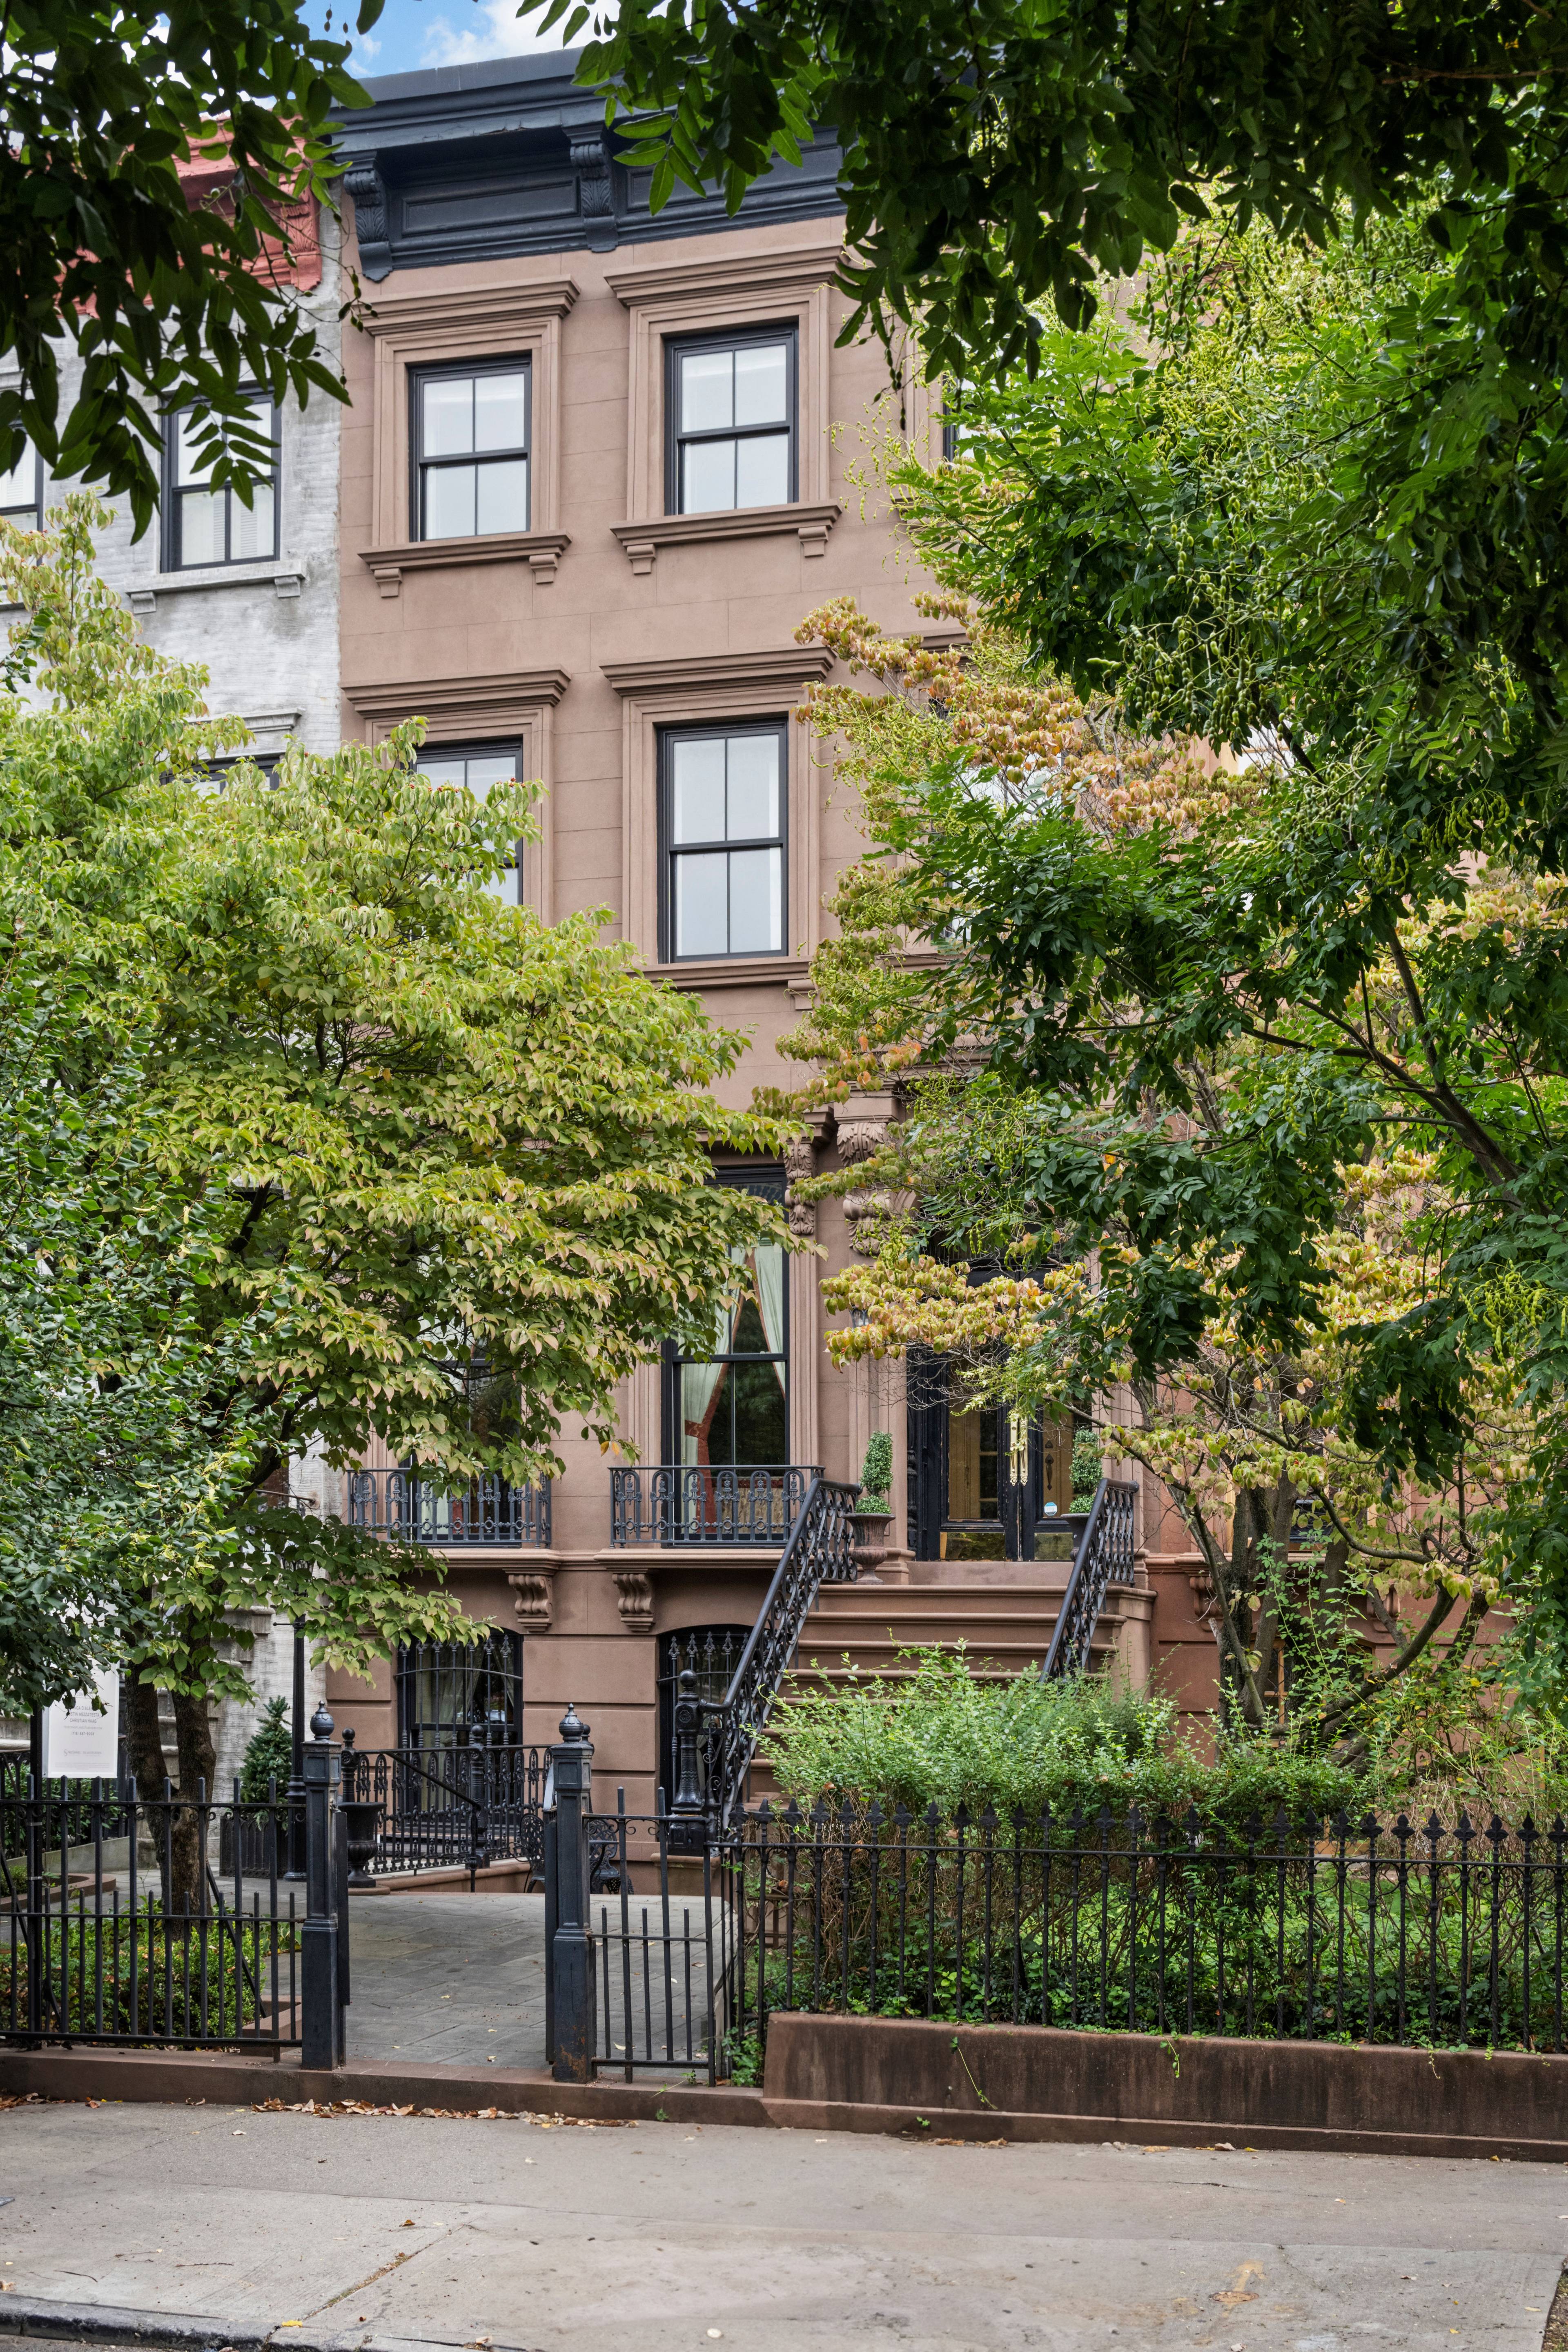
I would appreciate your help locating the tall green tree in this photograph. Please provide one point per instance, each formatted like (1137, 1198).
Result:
(1213, 993)
(169, 302)
(368, 1143)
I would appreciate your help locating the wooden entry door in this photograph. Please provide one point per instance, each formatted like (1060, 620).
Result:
(985, 1484)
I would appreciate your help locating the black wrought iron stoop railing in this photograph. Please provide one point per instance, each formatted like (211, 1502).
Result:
(410, 1809)
(485, 1511)
(701, 1503)
(1104, 1556)
(819, 1551)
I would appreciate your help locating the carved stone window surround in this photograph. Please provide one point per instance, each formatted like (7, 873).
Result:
(541, 550)
(461, 709)
(690, 690)
(410, 330)
(696, 298)
(640, 542)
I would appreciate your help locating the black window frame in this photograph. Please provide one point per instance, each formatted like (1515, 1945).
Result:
(710, 731)
(676, 346)
(173, 498)
(481, 747)
(449, 370)
(768, 1182)
(478, 1667)
(37, 508)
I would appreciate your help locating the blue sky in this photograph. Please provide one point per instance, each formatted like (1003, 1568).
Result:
(415, 33)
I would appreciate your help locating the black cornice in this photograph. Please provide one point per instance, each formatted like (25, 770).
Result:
(508, 157)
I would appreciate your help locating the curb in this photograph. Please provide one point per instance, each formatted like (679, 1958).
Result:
(184, 2331)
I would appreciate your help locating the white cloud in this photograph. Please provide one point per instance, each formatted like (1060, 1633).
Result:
(495, 30)
(366, 50)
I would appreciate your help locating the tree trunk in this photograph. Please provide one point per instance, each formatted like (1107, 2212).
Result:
(179, 1836)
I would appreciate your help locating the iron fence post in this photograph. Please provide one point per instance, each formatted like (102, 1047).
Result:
(690, 1802)
(321, 1986)
(574, 2009)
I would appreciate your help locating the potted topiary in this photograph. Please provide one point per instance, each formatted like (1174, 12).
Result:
(1088, 1469)
(873, 1516)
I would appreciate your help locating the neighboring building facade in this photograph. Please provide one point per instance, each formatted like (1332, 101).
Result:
(594, 476)
(252, 593)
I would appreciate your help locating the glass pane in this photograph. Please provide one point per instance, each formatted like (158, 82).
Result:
(759, 384)
(698, 789)
(250, 529)
(447, 416)
(972, 1489)
(706, 476)
(491, 768)
(201, 527)
(501, 410)
(503, 495)
(753, 787)
(762, 1422)
(450, 502)
(707, 391)
(19, 486)
(443, 772)
(188, 465)
(705, 1434)
(701, 925)
(756, 901)
(761, 471)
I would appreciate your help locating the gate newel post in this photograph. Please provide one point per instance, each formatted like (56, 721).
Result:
(320, 1985)
(574, 2006)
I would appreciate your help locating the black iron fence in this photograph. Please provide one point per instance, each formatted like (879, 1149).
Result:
(1361, 1930)
(420, 1809)
(117, 1926)
(485, 1511)
(1432, 1933)
(1104, 1555)
(699, 1504)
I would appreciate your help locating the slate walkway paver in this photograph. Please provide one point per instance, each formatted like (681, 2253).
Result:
(448, 1977)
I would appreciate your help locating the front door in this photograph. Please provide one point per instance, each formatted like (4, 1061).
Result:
(985, 1484)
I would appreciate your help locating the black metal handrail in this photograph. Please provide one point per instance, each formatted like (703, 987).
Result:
(1104, 1556)
(706, 1503)
(485, 1511)
(818, 1552)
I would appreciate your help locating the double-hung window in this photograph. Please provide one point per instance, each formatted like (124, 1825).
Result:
(731, 405)
(470, 449)
(207, 525)
(22, 490)
(724, 791)
(479, 767)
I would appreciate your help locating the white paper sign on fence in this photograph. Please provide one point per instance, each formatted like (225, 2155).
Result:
(79, 1742)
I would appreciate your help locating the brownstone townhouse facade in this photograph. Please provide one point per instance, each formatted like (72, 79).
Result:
(597, 469)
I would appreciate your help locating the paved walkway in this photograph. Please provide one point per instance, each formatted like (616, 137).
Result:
(448, 1977)
(377, 2233)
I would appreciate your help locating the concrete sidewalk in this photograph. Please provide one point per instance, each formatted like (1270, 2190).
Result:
(226, 2226)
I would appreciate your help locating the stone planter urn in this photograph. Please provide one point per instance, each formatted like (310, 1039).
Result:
(873, 1541)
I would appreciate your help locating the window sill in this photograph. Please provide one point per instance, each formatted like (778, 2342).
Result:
(732, 972)
(640, 542)
(540, 550)
(282, 582)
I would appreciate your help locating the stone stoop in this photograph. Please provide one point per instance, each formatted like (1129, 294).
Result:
(1004, 1613)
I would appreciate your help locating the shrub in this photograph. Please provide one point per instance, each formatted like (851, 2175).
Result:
(941, 1735)
(877, 1473)
(1087, 1460)
(269, 1755)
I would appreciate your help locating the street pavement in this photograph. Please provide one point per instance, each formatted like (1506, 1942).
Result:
(337, 2232)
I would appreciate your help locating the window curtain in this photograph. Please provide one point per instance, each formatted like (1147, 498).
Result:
(694, 1394)
(768, 1265)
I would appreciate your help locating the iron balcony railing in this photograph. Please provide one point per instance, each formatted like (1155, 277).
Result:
(701, 1504)
(485, 1511)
